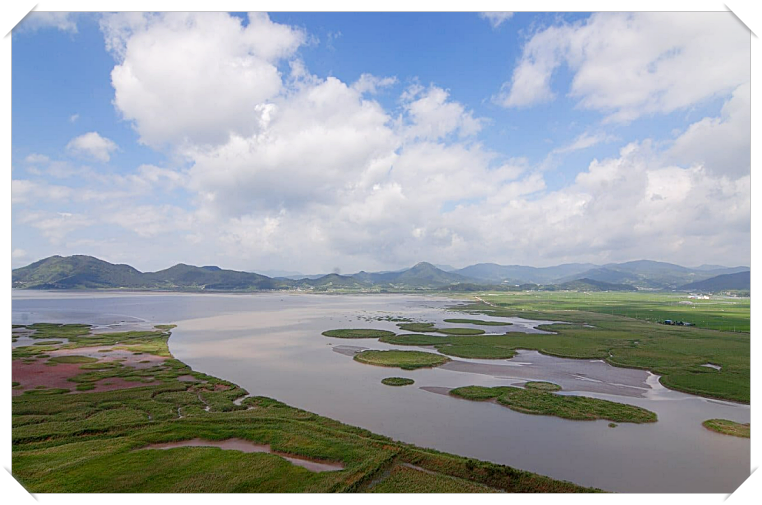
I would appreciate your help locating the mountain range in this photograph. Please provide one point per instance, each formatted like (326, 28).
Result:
(87, 272)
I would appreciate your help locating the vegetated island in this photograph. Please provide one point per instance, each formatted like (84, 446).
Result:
(478, 322)
(358, 333)
(406, 360)
(397, 381)
(534, 400)
(83, 427)
(727, 427)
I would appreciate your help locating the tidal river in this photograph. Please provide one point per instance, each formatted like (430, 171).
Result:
(271, 345)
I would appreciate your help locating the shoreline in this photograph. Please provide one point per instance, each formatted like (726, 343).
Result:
(364, 455)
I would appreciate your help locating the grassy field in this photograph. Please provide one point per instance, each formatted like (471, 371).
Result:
(716, 313)
(68, 441)
(728, 427)
(535, 401)
(406, 360)
(397, 381)
(587, 329)
(677, 353)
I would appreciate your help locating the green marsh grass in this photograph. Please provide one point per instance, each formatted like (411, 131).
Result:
(407, 360)
(358, 333)
(727, 427)
(397, 381)
(88, 442)
(579, 408)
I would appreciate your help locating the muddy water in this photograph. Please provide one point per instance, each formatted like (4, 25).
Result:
(271, 345)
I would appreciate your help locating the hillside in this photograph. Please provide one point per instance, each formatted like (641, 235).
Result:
(519, 274)
(57, 272)
(740, 281)
(593, 285)
(86, 272)
(650, 274)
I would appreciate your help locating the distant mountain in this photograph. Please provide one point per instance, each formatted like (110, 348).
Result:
(57, 272)
(86, 272)
(331, 281)
(518, 274)
(426, 274)
(740, 281)
(211, 278)
(422, 275)
(719, 268)
(650, 274)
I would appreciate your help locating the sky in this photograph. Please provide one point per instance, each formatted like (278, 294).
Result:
(319, 142)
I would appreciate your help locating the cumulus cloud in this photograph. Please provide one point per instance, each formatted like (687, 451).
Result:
(630, 64)
(368, 83)
(195, 77)
(496, 19)
(434, 116)
(306, 172)
(92, 145)
(722, 144)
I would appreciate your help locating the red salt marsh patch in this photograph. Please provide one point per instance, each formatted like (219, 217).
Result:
(112, 383)
(127, 358)
(31, 375)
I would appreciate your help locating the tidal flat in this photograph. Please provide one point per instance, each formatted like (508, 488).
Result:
(272, 345)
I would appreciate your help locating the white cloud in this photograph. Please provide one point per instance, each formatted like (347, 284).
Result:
(195, 77)
(148, 221)
(585, 140)
(73, 118)
(92, 145)
(37, 20)
(18, 253)
(37, 159)
(630, 64)
(722, 144)
(434, 116)
(26, 192)
(55, 226)
(368, 83)
(314, 172)
(496, 19)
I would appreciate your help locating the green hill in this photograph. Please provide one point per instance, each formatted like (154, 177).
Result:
(86, 272)
(593, 285)
(740, 281)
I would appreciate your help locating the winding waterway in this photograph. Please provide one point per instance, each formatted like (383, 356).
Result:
(271, 344)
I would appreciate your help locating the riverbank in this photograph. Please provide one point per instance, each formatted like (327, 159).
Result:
(71, 439)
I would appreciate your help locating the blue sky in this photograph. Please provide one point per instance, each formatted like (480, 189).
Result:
(543, 139)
